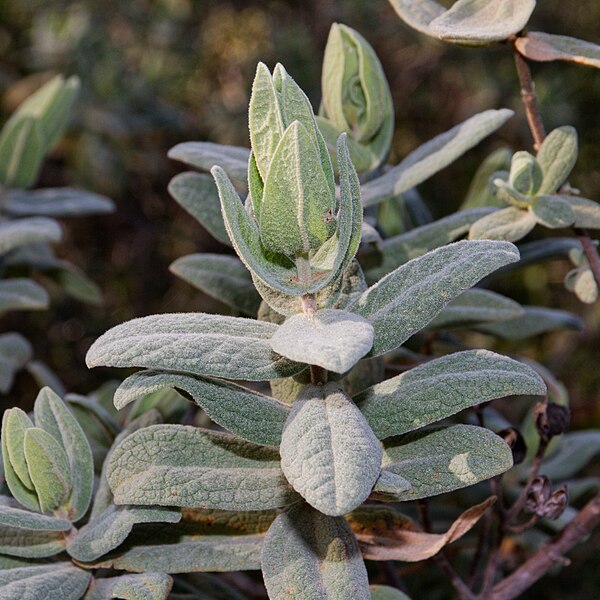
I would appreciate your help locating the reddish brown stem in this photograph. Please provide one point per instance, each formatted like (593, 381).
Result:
(549, 554)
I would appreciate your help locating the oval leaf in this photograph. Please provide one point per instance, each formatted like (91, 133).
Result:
(195, 343)
(328, 452)
(309, 555)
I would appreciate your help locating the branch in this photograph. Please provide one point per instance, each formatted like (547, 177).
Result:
(550, 553)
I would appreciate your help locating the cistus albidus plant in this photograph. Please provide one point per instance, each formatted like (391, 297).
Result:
(346, 395)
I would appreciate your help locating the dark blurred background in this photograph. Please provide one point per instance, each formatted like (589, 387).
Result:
(155, 73)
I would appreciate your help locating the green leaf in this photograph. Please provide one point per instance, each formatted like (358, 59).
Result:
(14, 424)
(75, 283)
(296, 197)
(384, 592)
(407, 299)
(443, 387)
(21, 152)
(15, 352)
(333, 339)
(264, 119)
(575, 450)
(252, 416)
(511, 224)
(195, 343)
(222, 277)
(30, 543)
(443, 460)
(22, 294)
(56, 202)
(53, 416)
(389, 485)
(362, 158)
(482, 21)
(103, 497)
(479, 193)
(24, 519)
(477, 306)
(557, 156)
(197, 194)
(51, 106)
(397, 250)
(433, 156)
(55, 581)
(110, 529)
(245, 237)
(418, 13)
(309, 555)
(43, 375)
(546, 47)
(204, 155)
(535, 321)
(48, 467)
(553, 212)
(168, 402)
(587, 212)
(147, 586)
(28, 231)
(175, 465)
(328, 452)
(525, 174)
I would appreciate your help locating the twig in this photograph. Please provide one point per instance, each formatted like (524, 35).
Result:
(547, 555)
(538, 132)
(460, 586)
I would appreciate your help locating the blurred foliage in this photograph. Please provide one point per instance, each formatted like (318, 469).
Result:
(157, 72)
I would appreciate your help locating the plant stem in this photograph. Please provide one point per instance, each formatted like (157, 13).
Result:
(538, 132)
(547, 555)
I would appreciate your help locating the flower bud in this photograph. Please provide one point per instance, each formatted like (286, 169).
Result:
(551, 419)
(516, 443)
(356, 96)
(543, 502)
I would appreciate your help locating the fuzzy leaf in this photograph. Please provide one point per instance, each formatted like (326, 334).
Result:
(333, 339)
(362, 158)
(24, 519)
(252, 416)
(557, 156)
(553, 211)
(57, 202)
(245, 237)
(222, 277)
(443, 387)
(28, 231)
(204, 155)
(433, 156)
(479, 193)
(175, 465)
(16, 474)
(535, 321)
(407, 299)
(397, 250)
(21, 152)
(15, 352)
(147, 586)
(54, 581)
(477, 306)
(384, 592)
(195, 343)
(22, 294)
(587, 212)
(443, 460)
(328, 452)
(30, 543)
(309, 555)
(48, 467)
(389, 485)
(418, 13)
(482, 21)
(53, 416)
(110, 529)
(575, 450)
(197, 194)
(545, 47)
(510, 224)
